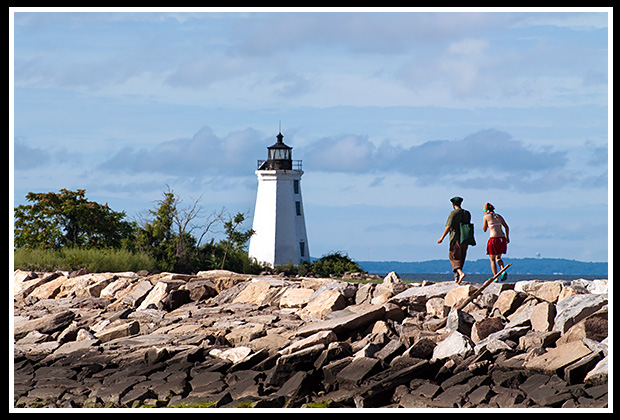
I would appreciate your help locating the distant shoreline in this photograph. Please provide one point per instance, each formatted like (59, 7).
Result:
(481, 278)
(521, 266)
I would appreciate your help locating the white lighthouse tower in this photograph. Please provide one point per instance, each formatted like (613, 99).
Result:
(279, 223)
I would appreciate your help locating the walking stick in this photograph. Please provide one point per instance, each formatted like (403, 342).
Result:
(461, 304)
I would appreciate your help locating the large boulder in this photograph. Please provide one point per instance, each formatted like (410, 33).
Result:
(454, 344)
(575, 308)
(485, 327)
(261, 292)
(328, 301)
(295, 297)
(508, 302)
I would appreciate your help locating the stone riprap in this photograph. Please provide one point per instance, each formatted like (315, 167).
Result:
(224, 339)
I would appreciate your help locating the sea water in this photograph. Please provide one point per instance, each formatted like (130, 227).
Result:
(481, 278)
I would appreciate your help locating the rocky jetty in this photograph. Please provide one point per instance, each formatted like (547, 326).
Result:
(222, 339)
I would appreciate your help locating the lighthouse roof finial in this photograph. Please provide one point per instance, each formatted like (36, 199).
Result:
(279, 136)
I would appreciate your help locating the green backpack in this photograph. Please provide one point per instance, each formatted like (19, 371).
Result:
(467, 229)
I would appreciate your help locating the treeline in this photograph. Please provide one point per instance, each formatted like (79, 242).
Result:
(65, 227)
(65, 231)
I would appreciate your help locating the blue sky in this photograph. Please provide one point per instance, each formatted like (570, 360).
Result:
(393, 111)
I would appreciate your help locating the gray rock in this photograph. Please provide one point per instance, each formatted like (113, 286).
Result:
(426, 292)
(574, 308)
(112, 332)
(599, 374)
(349, 321)
(454, 344)
(137, 295)
(357, 371)
(460, 321)
(46, 324)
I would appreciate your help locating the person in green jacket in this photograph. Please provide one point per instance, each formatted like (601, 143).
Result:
(457, 251)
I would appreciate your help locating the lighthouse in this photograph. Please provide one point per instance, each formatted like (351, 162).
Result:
(279, 222)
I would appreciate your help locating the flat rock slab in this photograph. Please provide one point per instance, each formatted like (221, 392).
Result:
(46, 324)
(358, 370)
(557, 358)
(348, 322)
(434, 290)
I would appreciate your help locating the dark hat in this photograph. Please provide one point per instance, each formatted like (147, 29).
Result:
(456, 201)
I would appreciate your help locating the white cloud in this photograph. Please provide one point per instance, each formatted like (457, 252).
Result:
(483, 159)
(203, 154)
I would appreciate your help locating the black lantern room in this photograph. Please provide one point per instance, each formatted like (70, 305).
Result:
(279, 156)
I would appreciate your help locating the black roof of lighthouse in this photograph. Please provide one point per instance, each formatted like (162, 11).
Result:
(279, 144)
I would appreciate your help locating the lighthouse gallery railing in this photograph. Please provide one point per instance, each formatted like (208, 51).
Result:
(296, 165)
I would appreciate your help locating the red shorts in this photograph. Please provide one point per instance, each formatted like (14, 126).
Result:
(496, 246)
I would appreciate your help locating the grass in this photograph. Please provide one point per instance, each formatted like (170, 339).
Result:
(93, 260)
(208, 404)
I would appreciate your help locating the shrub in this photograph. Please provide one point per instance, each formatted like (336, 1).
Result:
(332, 264)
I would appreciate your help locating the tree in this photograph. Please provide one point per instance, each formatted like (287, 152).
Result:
(156, 236)
(67, 218)
(167, 236)
(234, 237)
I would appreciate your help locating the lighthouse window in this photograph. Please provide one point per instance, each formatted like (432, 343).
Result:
(279, 154)
(296, 186)
(302, 249)
(298, 207)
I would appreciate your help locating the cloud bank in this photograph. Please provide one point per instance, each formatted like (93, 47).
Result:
(485, 159)
(203, 154)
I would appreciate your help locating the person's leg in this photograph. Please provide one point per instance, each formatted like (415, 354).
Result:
(493, 264)
(500, 262)
(457, 259)
(462, 254)
(461, 276)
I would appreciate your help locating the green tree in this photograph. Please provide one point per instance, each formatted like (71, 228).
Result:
(234, 237)
(156, 236)
(67, 218)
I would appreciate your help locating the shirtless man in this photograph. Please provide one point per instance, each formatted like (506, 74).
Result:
(498, 241)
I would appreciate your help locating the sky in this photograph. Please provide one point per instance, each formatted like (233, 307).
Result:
(392, 111)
